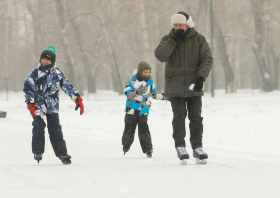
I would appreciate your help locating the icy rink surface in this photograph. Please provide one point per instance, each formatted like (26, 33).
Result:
(241, 137)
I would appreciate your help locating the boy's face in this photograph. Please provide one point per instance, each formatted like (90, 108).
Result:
(146, 73)
(45, 62)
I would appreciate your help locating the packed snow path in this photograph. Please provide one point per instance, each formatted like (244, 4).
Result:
(241, 137)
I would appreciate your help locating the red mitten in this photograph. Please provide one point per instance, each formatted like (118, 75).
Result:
(79, 103)
(32, 109)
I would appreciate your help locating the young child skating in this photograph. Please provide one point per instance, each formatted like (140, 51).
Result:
(138, 92)
(41, 90)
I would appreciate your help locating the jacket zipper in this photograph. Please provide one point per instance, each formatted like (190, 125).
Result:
(183, 62)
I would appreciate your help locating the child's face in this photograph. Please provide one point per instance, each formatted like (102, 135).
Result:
(146, 73)
(45, 62)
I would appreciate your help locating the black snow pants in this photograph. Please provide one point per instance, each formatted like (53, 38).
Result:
(144, 135)
(55, 133)
(181, 107)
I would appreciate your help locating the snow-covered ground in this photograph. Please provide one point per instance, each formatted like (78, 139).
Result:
(241, 136)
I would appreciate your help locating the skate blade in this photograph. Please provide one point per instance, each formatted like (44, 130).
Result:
(198, 161)
(184, 161)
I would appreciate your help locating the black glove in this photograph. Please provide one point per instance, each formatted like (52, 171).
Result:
(198, 84)
(177, 35)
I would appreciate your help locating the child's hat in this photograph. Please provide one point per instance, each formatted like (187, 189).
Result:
(49, 53)
(143, 65)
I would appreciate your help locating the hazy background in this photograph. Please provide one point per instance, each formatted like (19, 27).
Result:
(100, 42)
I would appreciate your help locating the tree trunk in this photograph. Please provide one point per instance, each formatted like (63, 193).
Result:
(33, 9)
(89, 78)
(222, 50)
(116, 73)
(145, 34)
(70, 61)
(259, 38)
(159, 66)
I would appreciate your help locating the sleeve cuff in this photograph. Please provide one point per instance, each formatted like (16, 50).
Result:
(171, 42)
(74, 98)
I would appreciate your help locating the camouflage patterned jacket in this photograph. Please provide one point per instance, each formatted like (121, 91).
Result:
(42, 88)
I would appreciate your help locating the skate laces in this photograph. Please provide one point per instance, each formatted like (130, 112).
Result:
(199, 151)
(64, 156)
(181, 150)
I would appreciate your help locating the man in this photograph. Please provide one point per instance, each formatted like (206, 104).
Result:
(188, 63)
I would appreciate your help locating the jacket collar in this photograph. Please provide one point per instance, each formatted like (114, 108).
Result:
(45, 68)
(189, 33)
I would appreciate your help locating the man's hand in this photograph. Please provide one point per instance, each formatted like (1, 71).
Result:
(177, 35)
(79, 104)
(198, 84)
(32, 109)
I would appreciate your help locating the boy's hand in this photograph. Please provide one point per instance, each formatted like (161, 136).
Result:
(79, 103)
(142, 90)
(32, 109)
(165, 97)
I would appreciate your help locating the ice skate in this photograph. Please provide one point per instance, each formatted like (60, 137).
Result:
(200, 155)
(149, 153)
(198, 161)
(182, 155)
(38, 156)
(125, 149)
(65, 158)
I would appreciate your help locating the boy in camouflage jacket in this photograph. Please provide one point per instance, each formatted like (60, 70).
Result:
(41, 90)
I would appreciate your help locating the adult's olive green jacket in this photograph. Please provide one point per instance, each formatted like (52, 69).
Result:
(185, 60)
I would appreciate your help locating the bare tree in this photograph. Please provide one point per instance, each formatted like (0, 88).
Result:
(159, 66)
(65, 43)
(223, 54)
(99, 43)
(111, 51)
(262, 43)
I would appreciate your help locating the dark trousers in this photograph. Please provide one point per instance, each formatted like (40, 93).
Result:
(181, 107)
(55, 133)
(144, 135)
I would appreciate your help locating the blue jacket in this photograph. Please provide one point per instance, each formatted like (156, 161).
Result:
(140, 104)
(41, 87)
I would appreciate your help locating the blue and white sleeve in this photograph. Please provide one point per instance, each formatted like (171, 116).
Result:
(29, 88)
(67, 87)
(156, 94)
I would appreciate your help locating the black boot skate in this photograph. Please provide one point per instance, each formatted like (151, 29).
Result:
(125, 149)
(200, 155)
(65, 158)
(38, 156)
(182, 154)
(149, 153)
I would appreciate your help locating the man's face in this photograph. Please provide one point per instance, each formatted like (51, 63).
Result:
(178, 26)
(45, 62)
